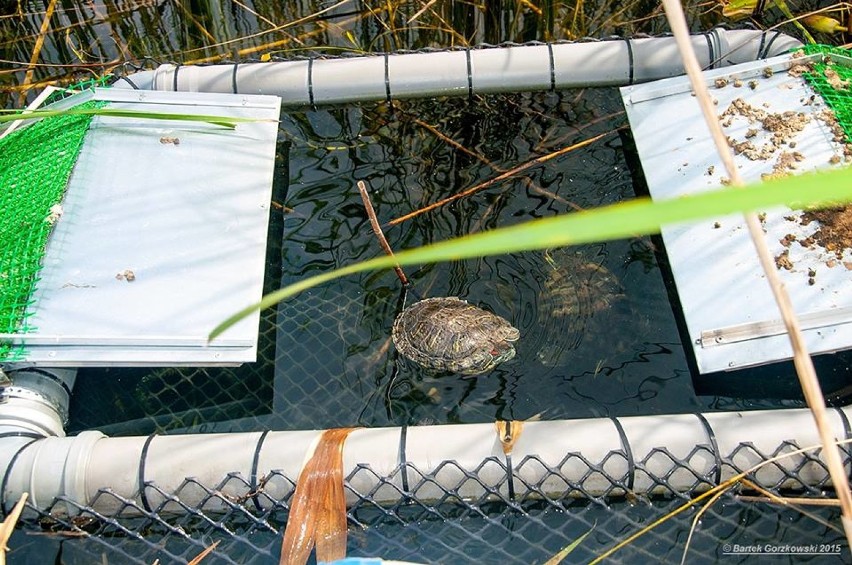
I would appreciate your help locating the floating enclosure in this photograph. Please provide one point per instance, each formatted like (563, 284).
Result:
(160, 235)
(777, 125)
(424, 492)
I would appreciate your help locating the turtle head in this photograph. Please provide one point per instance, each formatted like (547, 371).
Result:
(497, 353)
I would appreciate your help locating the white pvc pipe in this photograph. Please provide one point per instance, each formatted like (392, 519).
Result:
(36, 401)
(465, 72)
(547, 457)
(34, 405)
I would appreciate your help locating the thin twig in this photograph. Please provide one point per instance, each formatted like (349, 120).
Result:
(455, 144)
(720, 487)
(279, 29)
(504, 176)
(696, 519)
(207, 551)
(377, 229)
(482, 159)
(421, 11)
(787, 501)
(801, 360)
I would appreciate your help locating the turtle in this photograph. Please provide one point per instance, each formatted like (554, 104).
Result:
(576, 294)
(449, 334)
(576, 286)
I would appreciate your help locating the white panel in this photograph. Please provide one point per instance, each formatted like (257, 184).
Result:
(719, 281)
(184, 206)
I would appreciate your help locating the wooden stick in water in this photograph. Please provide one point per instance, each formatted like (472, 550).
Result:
(508, 174)
(377, 229)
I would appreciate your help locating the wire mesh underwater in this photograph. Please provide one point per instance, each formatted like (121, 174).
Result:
(613, 290)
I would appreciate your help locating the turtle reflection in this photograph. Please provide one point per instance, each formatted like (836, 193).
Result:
(576, 292)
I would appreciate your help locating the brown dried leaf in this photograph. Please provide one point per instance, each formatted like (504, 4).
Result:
(318, 509)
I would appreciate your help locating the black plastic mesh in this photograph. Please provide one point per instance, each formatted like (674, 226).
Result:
(490, 529)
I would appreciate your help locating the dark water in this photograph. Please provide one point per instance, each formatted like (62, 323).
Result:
(598, 337)
(617, 355)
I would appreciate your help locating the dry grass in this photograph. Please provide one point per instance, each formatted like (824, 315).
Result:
(61, 45)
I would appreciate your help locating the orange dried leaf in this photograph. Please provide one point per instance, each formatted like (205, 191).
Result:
(508, 433)
(318, 509)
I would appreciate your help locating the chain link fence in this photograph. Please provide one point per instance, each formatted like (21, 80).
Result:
(452, 529)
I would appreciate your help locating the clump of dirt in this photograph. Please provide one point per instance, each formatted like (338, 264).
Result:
(833, 79)
(786, 162)
(782, 261)
(835, 228)
(783, 127)
(828, 117)
(800, 69)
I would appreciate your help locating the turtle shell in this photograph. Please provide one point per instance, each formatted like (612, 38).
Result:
(448, 334)
(577, 293)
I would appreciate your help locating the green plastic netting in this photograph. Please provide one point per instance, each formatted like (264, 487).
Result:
(35, 165)
(833, 82)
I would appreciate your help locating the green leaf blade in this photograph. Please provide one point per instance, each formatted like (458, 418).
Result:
(640, 216)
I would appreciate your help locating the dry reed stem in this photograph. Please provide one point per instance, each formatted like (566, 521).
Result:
(318, 507)
(504, 176)
(710, 493)
(801, 360)
(194, 21)
(421, 11)
(272, 45)
(8, 526)
(696, 519)
(455, 144)
(207, 551)
(377, 229)
(45, 25)
(266, 46)
(789, 503)
(259, 16)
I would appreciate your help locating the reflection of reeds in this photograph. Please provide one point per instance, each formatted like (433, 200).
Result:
(188, 31)
(93, 38)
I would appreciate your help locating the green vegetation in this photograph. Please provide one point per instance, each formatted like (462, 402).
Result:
(228, 122)
(35, 164)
